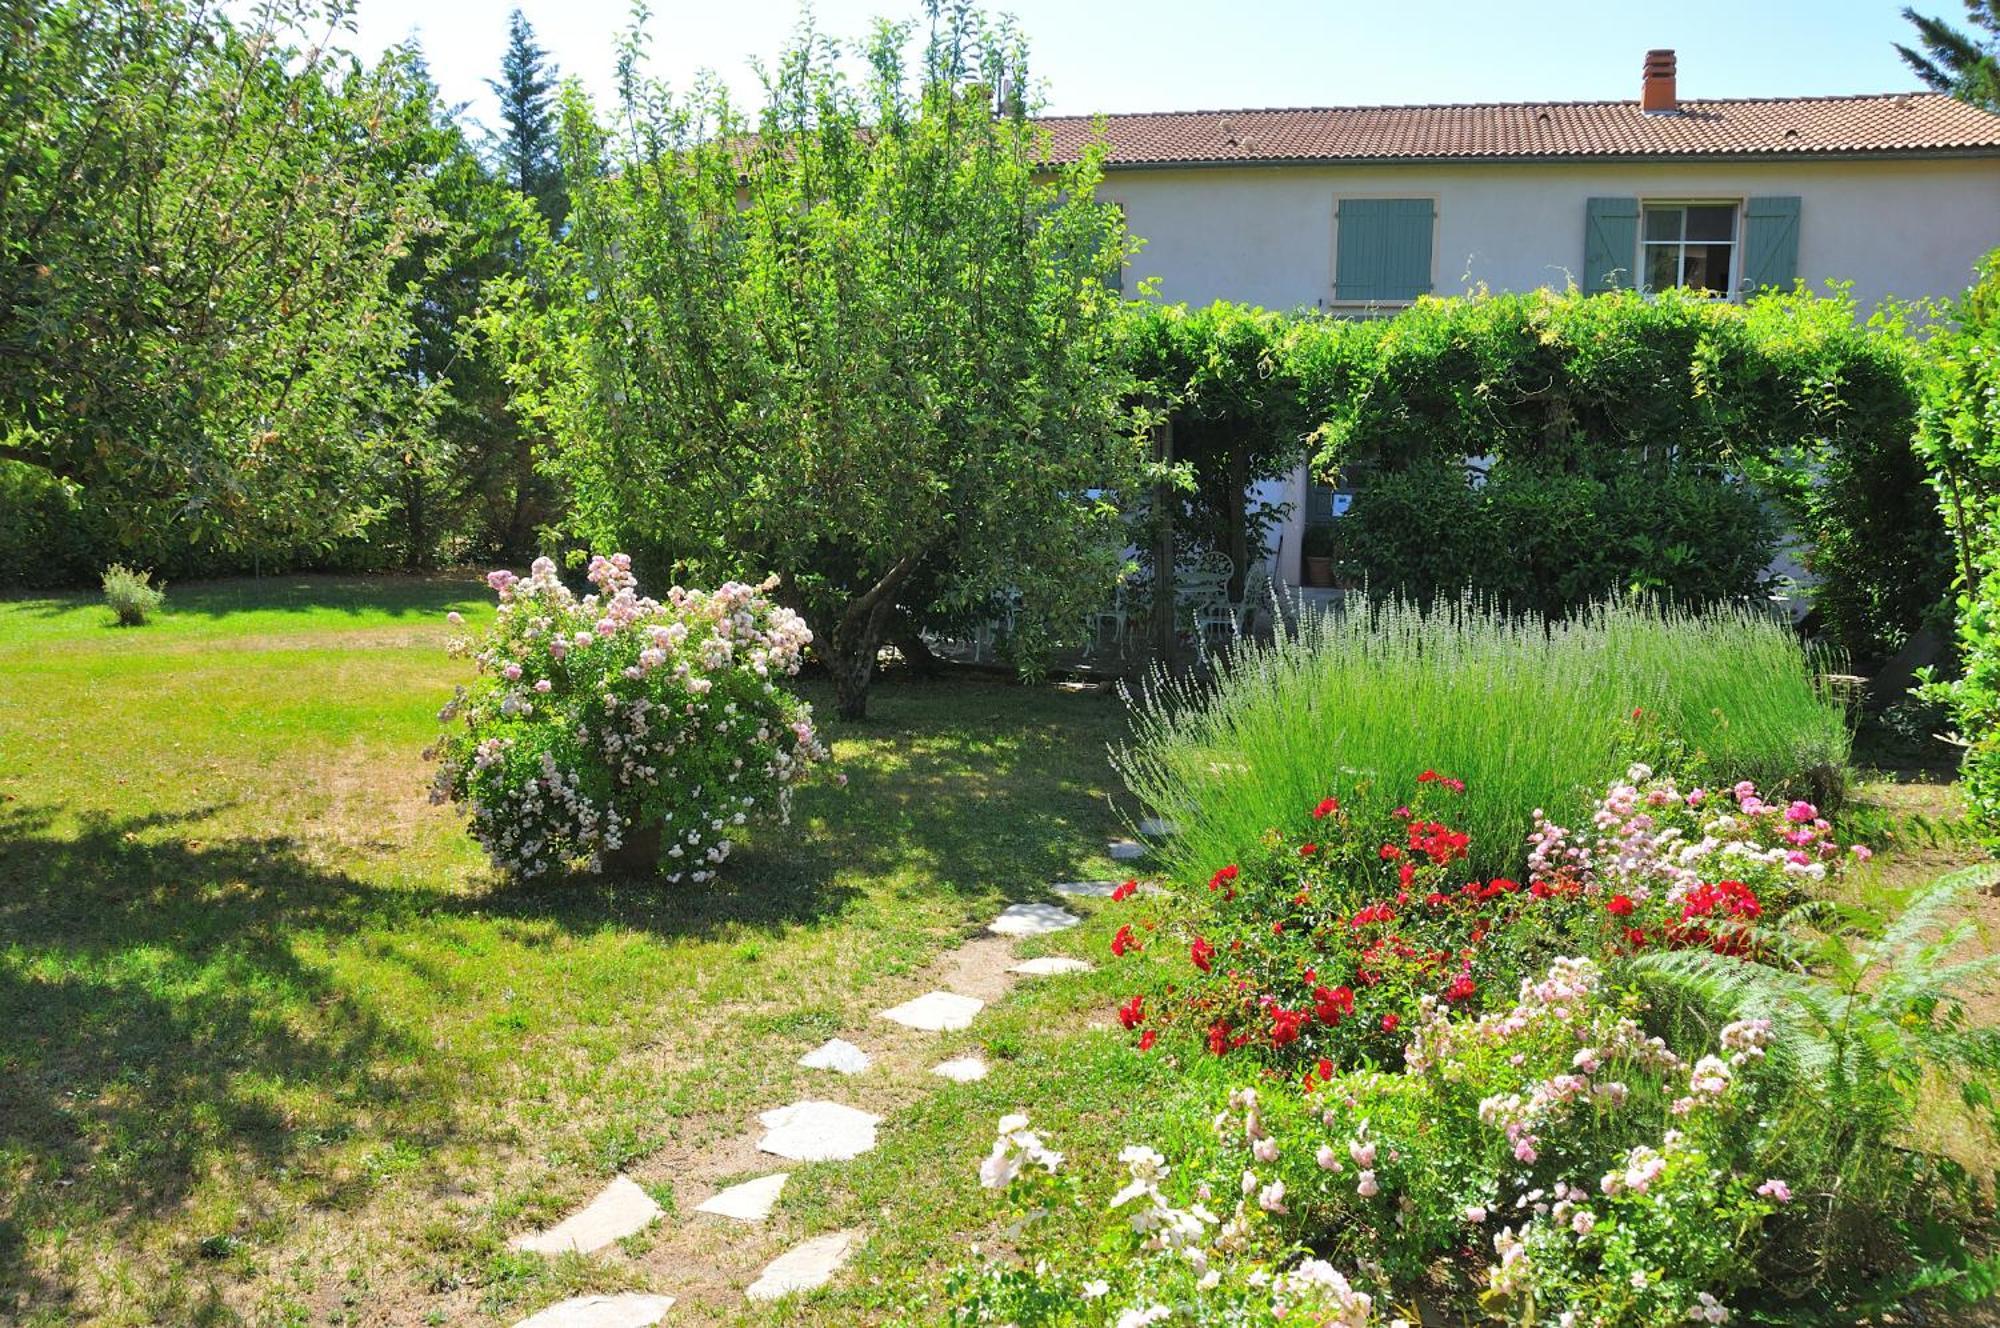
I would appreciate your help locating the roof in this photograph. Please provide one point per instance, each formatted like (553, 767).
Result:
(1897, 123)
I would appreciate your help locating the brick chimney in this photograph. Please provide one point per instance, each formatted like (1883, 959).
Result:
(1656, 89)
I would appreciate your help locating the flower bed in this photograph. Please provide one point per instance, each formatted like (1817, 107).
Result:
(1323, 950)
(616, 722)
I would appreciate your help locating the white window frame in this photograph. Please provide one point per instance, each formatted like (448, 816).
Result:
(1731, 288)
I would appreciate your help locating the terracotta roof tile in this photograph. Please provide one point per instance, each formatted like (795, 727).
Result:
(1908, 122)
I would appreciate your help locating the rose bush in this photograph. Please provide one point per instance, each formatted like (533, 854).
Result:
(617, 721)
(1319, 952)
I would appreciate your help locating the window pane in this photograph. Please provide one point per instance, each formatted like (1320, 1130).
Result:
(1711, 223)
(1662, 266)
(1707, 267)
(1663, 224)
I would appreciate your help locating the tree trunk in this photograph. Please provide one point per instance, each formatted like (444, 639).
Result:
(1239, 535)
(1164, 640)
(903, 634)
(850, 650)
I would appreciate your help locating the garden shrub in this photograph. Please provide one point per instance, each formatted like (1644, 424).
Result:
(620, 722)
(1669, 401)
(1546, 543)
(1960, 443)
(1530, 714)
(131, 595)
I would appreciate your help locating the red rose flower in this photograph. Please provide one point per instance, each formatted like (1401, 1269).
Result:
(1124, 942)
(1325, 1068)
(1428, 777)
(1332, 1004)
(1285, 1026)
(1389, 1022)
(1147, 1039)
(1201, 952)
(1218, 1037)
(1462, 988)
(1390, 851)
(1223, 877)
(1635, 938)
(1405, 874)
(1326, 808)
(1307, 850)
(1133, 1012)
(1125, 891)
(1619, 906)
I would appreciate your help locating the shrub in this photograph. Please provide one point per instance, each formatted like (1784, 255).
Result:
(131, 595)
(1960, 443)
(618, 722)
(1640, 393)
(1546, 543)
(1530, 715)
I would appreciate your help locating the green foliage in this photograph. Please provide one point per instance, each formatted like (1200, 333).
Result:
(1634, 415)
(1964, 64)
(1218, 374)
(1867, 1025)
(1530, 715)
(197, 319)
(865, 342)
(1960, 443)
(131, 595)
(1545, 542)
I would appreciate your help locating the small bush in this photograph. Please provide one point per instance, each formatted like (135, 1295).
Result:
(1529, 714)
(131, 595)
(620, 722)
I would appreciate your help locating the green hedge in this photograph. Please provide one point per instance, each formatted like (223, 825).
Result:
(1632, 422)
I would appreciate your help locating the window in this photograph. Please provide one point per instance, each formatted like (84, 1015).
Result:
(1382, 250)
(1691, 245)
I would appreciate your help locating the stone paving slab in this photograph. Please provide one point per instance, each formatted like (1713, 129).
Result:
(751, 1201)
(818, 1132)
(1125, 850)
(964, 1070)
(1049, 966)
(936, 1012)
(1032, 920)
(621, 1209)
(1154, 827)
(630, 1310)
(1085, 889)
(838, 1055)
(804, 1267)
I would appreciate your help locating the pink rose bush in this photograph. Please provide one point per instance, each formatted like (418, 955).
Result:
(599, 722)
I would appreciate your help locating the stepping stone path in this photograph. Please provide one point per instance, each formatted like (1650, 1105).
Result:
(1155, 828)
(814, 1130)
(935, 1012)
(1050, 966)
(1125, 850)
(749, 1202)
(818, 1132)
(837, 1055)
(964, 1070)
(621, 1210)
(1032, 920)
(804, 1267)
(627, 1311)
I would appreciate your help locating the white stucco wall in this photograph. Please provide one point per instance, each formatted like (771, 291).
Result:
(1898, 228)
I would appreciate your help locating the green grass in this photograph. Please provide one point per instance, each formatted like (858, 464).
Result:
(275, 1047)
(1529, 716)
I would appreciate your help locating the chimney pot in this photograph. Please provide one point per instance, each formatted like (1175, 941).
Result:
(1657, 95)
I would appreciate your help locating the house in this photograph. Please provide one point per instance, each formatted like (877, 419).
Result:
(1364, 208)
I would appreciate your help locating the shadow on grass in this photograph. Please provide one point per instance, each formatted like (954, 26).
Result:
(155, 1018)
(425, 595)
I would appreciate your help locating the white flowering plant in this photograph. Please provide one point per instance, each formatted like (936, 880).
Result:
(1172, 1245)
(616, 727)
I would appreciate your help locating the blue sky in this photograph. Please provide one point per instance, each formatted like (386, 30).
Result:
(1130, 55)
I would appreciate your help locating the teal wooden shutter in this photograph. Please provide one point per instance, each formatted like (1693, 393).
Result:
(1610, 244)
(1383, 251)
(1770, 243)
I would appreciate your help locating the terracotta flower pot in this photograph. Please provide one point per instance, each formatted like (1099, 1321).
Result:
(638, 855)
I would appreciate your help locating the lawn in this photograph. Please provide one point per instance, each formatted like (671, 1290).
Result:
(278, 1047)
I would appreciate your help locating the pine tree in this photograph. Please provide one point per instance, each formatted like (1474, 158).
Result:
(1964, 64)
(527, 149)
